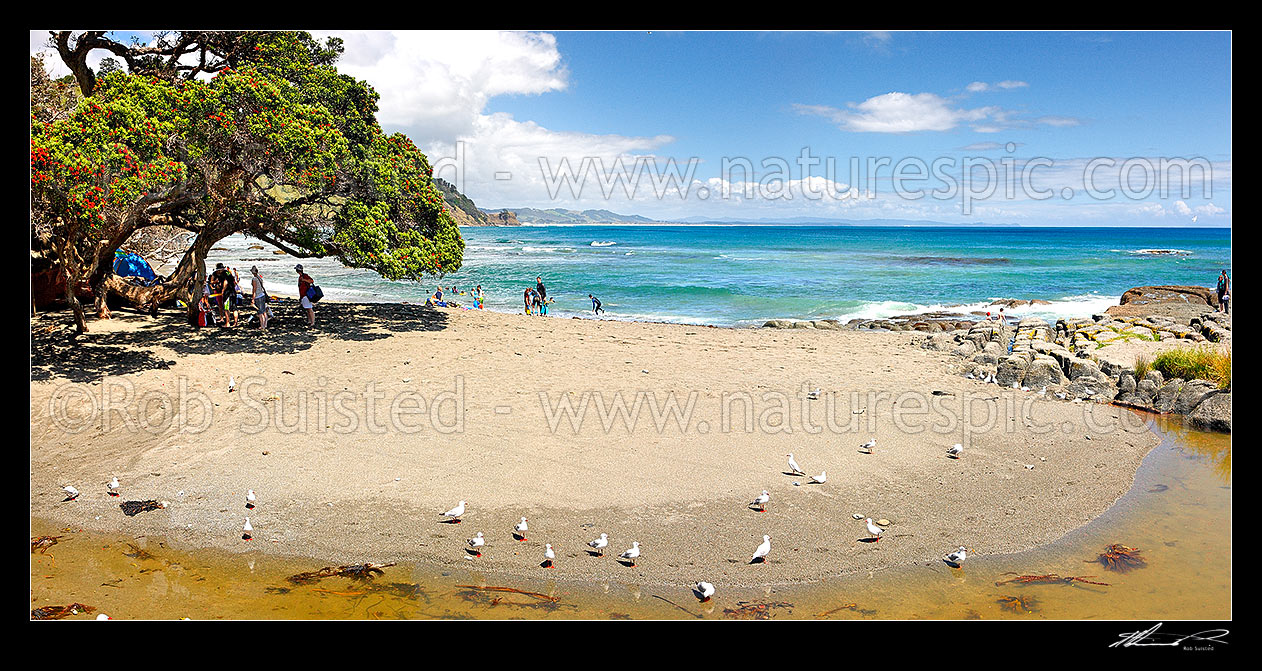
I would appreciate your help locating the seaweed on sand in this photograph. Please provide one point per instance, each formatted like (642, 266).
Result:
(1018, 604)
(1118, 557)
(755, 610)
(134, 508)
(42, 543)
(1050, 579)
(498, 596)
(355, 572)
(59, 612)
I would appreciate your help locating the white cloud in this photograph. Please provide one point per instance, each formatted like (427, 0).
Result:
(901, 113)
(1008, 84)
(436, 87)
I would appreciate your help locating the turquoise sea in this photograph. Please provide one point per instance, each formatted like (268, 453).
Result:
(741, 275)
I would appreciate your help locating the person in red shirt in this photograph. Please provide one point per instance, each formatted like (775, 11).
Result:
(304, 283)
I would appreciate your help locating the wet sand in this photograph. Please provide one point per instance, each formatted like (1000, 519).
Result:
(373, 492)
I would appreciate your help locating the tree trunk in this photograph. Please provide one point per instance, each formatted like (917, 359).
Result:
(80, 320)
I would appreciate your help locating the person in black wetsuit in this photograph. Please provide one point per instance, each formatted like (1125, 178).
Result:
(595, 304)
(540, 289)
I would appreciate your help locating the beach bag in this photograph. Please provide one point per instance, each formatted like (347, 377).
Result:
(314, 294)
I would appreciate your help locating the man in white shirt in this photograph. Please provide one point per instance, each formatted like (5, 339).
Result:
(260, 297)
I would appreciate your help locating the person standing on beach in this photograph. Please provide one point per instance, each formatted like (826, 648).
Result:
(477, 297)
(540, 289)
(527, 298)
(260, 296)
(1224, 285)
(596, 309)
(304, 283)
(227, 294)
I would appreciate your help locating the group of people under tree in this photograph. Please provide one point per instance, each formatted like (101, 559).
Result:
(223, 295)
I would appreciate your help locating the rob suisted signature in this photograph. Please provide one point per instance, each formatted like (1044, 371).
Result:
(1151, 637)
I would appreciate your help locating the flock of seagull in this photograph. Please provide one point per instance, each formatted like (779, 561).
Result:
(704, 590)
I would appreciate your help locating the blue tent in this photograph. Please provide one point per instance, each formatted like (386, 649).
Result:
(127, 264)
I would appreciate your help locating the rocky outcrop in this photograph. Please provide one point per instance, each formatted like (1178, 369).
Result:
(1179, 302)
(1212, 414)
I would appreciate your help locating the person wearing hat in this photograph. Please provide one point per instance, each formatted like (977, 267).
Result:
(304, 283)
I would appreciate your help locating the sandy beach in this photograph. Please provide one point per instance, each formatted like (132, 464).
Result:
(356, 434)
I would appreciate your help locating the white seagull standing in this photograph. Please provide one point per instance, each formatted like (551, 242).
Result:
(632, 554)
(232, 383)
(874, 530)
(247, 529)
(762, 551)
(456, 512)
(113, 486)
(520, 529)
(821, 478)
(71, 492)
(599, 544)
(869, 446)
(250, 498)
(476, 543)
(956, 450)
(958, 556)
(761, 500)
(704, 589)
(548, 556)
(793, 465)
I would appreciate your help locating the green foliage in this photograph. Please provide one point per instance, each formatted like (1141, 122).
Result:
(276, 143)
(1143, 364)
(1203, 363)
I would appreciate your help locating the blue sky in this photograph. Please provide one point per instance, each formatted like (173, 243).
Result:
(498, 111)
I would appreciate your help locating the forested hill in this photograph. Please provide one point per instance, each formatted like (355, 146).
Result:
(466, 212)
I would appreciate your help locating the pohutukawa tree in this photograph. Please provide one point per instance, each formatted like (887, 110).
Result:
(216, 133)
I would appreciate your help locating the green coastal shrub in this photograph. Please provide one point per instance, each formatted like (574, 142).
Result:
(1143, 364)
(1205, 363)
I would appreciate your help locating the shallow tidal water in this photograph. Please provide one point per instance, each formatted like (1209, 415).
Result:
(1178, 513)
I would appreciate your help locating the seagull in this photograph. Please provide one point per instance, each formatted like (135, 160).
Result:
(548, 555)
(955, 450)
(477, 542)
(704, 589)
(761, 500)
(247, 529)
(869, 446)
(599, 543)
(958, 556)
(821, 478)
(632, 554)
(874, 530)
(813, 395)
(456, 512)
(232, 383)
(103, 616)
(762, 551)
(971, 376)
(793, 465)
(250, 498)
(71, 492)
(113, 486)
(520, 528)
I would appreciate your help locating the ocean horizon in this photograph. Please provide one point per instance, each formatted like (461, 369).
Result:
(742, 274)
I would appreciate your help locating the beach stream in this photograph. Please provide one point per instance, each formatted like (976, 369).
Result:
(1177, 513)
